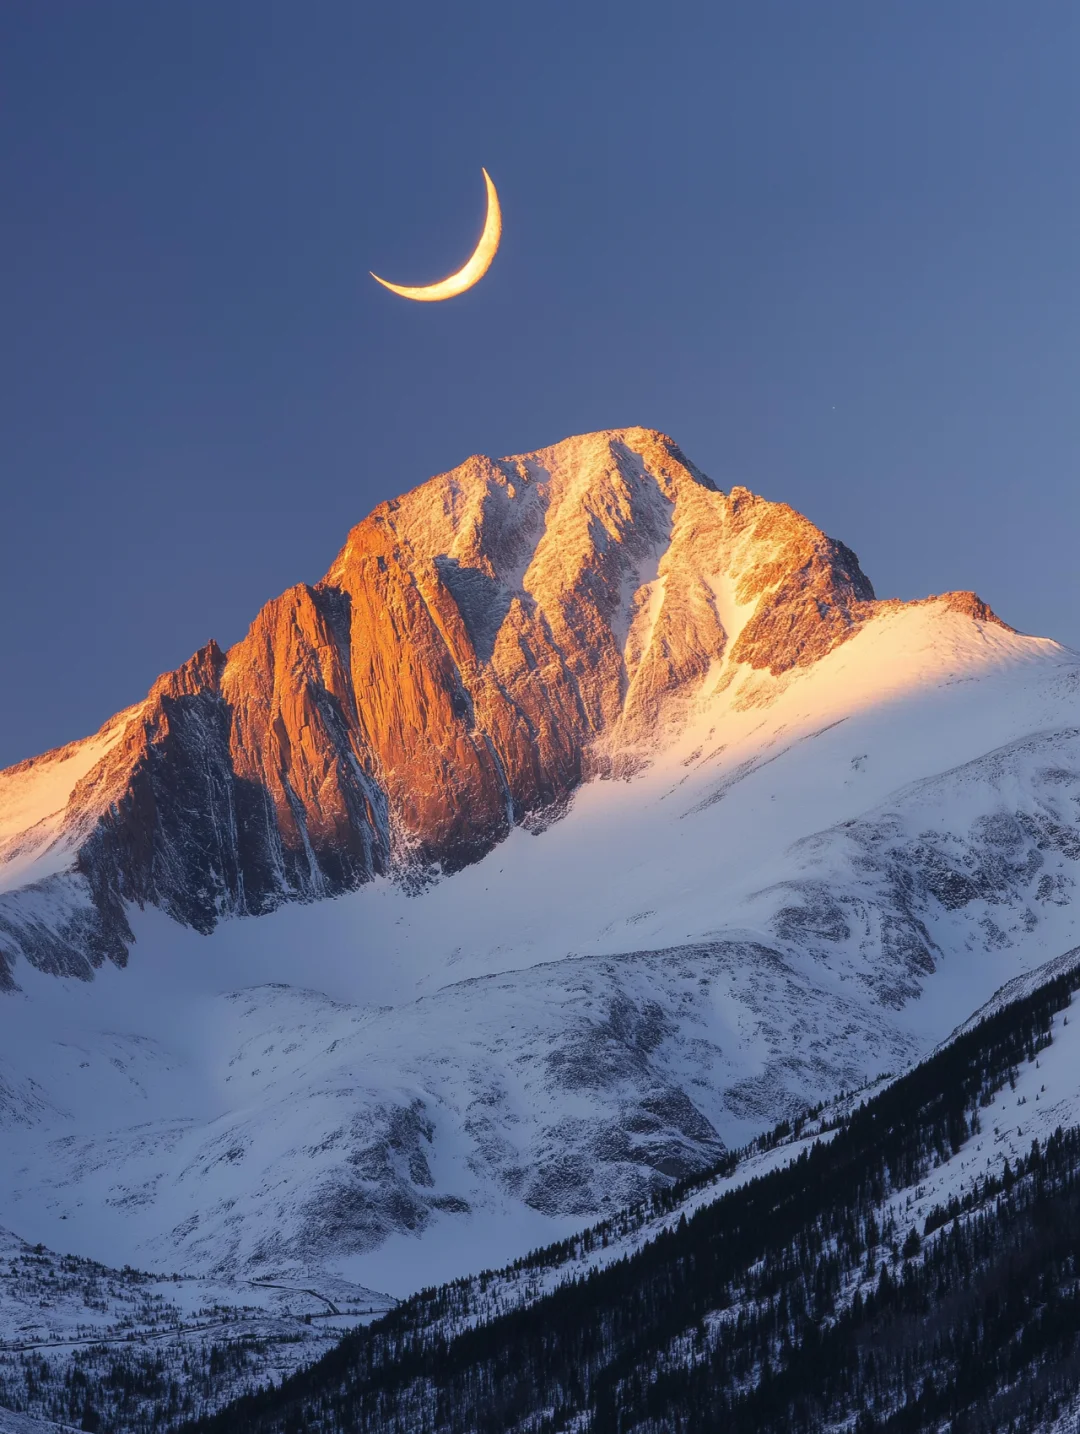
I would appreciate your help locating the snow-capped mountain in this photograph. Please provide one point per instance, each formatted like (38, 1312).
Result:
(477, 648)
(646, 824)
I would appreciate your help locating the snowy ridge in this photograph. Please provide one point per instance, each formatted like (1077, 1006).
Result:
(744, 927)
(1021, 986)
(1049, 1085)
(646, 826)
(1037, 1101)
(865, 1228)
(34, 797)
(189, 1345)
(12, 1423)
(479, 646)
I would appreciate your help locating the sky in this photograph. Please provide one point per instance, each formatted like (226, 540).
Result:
(833, 249)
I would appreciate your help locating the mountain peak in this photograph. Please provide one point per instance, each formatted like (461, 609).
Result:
(480, 646)
(201, 672)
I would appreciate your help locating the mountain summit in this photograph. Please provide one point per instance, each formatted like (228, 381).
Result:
(830, 827)
(478, 648)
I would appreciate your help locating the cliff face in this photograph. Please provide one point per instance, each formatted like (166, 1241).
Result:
(478, 647)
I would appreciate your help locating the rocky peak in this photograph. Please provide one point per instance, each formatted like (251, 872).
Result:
(479, 646)
(200, 673)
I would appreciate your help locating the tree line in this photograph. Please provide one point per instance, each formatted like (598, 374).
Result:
(796, 1300)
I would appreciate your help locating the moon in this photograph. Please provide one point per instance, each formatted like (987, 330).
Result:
(472, 271)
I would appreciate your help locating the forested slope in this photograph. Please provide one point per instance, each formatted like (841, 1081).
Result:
(810, 1296)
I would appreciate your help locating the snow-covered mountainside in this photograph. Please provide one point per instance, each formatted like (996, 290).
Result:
(897, 1261)
(95, 1347)
(645, 825)
(14, 1423)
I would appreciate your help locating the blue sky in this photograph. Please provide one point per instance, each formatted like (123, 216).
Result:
(832, 248)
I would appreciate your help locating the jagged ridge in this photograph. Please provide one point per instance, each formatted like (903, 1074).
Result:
(478, 648)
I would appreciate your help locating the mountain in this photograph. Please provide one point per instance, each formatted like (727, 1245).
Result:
(915, 1222)
(106, 1349)
(477, 649)
(646, 826)
(907, 1263)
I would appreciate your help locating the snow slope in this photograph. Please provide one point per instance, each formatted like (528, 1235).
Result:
(34, 841)
(67, 1324)
(1043, 1096)
(825, 873)
(12, 1423)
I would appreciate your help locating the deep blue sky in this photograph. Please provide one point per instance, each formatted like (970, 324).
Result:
(832, 248)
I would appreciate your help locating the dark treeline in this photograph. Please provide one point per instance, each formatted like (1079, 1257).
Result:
(107, 1387)
(797, 1300)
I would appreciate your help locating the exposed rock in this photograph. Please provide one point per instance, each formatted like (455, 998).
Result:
(965, 602)
(478, 647)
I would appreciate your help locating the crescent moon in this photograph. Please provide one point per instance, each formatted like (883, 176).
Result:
(473, 271)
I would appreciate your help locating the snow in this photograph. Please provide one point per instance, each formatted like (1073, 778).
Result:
(733, 614)
(60, 1315)
(261, 1102)
(12, 1423)
(1046, 1096)
(33, 796)
(1043, 1097)
(50, 1301)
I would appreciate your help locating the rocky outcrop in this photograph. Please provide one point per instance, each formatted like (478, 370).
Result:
(478, 647)
(808, 591)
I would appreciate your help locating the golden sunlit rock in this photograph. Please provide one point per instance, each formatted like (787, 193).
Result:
(480, 646)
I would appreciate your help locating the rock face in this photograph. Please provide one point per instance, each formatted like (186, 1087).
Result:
(479, 646)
